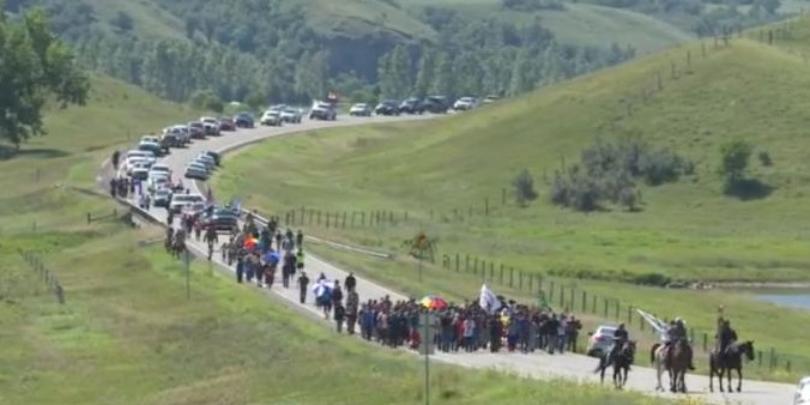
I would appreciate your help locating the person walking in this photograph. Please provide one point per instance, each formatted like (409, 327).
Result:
(299, 240)
(339, 315)
(352, 302)
(211, 237)
(240, 269)
(303, 282)
(337, 294)
(551, 333)
(287, 269)
(350, 282)
(468, 334)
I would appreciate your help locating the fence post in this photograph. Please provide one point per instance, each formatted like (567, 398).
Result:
(562, 297)
(491, 271)
(511, 276)
(89, 218)
(551, 293)
(520, 280)
(787, 366)
(606, 307)
(457, 262)
(292, 217)
(759, 358)
(530, 282)
(328, 215)
(475, 265)
(539, 283)
(705, 341)
(60, 295)
(500, 278)
(771, 363)
(617, 309)
(593, 307)
(319, 217)
(641, 322)
(584, 301)
(630, 318)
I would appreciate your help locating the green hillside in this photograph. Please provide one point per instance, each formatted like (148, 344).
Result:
(585, 24)
(687, 230)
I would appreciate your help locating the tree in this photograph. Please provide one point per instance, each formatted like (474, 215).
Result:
(34, 67)
(123, 21)
(425, 75)
(735, 157)
(524, 188)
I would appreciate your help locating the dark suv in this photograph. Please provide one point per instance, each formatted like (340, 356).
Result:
(412, 105)
(436, 104)
(387, 107)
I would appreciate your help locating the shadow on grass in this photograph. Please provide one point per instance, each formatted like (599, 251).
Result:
(9, 152)
(748, 189)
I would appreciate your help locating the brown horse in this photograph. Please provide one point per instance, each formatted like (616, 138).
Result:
(721, 363)
(675, 359)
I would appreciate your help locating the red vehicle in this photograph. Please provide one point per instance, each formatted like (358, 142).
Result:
(226, 124)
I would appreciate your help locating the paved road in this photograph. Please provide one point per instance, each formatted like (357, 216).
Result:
(536, 365)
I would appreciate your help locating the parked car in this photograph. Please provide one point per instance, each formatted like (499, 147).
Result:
(171, 140)
(211, 129)
(292, 115)
(150, 138)
(221, 220)
(196, 171)
(213, 155)
(161, 168)
(360, 110)
(465, 104)
(140, 173)
(149, 156)
(156, 182)
(153, 147)
(491, 99)
(436, 104)
(227, 124)
(179, 201)
(323, 111)
(412, 105)
(209, 120)
(197, 130)
(271, 118)
(243, 120)
(387, 107)
(802, 396)
(600, 341)
(180, 132)
(161, 197)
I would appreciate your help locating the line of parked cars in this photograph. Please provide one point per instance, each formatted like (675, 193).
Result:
(415, 105)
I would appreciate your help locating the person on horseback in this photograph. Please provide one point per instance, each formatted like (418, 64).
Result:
(675, 333)
(726, 336)
(620, 337)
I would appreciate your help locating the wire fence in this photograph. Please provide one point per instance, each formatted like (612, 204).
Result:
(48, 277)
(557, 293)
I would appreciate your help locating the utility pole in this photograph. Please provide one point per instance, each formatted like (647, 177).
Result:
(426, 348)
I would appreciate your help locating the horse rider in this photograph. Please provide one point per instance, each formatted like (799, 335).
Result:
(675, 332)
(620, 336)
(726, 336)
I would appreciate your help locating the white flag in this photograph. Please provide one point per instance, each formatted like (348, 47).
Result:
(488, 301)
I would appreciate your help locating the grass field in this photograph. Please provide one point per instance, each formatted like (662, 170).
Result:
(689, 230)
(127, 333)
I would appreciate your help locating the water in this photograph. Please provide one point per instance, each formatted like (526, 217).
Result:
(787, 298)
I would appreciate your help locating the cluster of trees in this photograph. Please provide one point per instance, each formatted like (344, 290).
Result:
(266, 49)
(608, 171)
(35, 67)
(486, 57)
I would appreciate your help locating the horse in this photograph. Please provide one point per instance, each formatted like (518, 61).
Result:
(675, 364)
(721, 363)
(621, 361)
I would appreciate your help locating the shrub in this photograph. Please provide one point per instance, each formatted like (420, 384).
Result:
(765, 159)
(735, 157)
(524, 188)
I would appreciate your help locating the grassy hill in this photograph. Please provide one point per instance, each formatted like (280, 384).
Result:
(439, 171)
(127, 334)
(688, 230)
(582, 24)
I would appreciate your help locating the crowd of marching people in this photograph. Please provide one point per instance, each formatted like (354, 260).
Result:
(487, 323)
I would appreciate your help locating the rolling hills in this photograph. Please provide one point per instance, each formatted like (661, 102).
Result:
(689, 230)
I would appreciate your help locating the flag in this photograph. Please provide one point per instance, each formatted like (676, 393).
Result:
(657, 324)
(488, 300)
